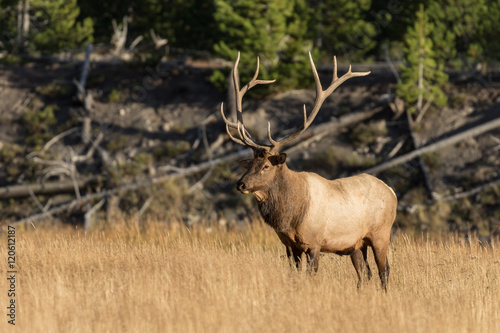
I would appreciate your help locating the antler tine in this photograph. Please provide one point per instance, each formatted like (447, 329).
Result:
(335, 77)
(247, 139)
(336, 82)
(269, 136)
(230, 124)
(236, 80)
(253, 82)
(276, 144)
(319, 87)
(321, 96)
(232, 137)
(227, 121)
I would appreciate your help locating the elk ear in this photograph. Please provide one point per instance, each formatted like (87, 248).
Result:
(245, 163)
(278, 159)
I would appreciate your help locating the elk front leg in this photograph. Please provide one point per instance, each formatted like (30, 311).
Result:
(312, 260)
(293, 257)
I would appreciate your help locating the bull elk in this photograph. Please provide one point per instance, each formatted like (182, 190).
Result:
(309, 213)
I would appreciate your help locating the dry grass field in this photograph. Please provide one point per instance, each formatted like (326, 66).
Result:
(170, 279)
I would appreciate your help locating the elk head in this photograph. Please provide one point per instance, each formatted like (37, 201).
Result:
(261, 170)
(267, 161)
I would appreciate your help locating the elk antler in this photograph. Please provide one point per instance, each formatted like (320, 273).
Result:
(321, 95)
(245, 137)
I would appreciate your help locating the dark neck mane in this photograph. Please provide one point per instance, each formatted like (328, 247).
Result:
(284, 204)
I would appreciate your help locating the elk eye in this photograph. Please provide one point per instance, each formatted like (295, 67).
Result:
(265, 167)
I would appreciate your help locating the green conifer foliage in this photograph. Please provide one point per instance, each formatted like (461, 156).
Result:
(423, 75)
(276, 31)
(342, 27)
(458, 24)
(55, 27)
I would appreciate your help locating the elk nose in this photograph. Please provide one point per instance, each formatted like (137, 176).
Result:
(240, 186)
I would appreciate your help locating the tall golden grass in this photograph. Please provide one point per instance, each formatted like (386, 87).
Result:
(170, 279)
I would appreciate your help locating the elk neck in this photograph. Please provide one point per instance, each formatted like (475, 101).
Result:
(284, 203)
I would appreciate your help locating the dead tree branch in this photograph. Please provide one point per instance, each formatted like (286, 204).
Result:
(54, 140)
(472, 132)
(85, 97)
(119, 37)
(199, 183)
(143, 209)
(22, 191)
(134, 43)
(90, 213)
(157, 40)
(472, 192)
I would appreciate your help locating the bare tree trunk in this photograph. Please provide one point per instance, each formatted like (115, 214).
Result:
(423, 168)
(85, 97)
(26, 19)
(20, 9)
(23, 24)
(420, 86)
(119, 37)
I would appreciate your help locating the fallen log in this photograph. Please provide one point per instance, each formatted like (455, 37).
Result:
(23, 191)
(472, 192)
(472, 132)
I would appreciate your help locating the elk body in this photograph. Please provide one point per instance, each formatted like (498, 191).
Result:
(309, 213)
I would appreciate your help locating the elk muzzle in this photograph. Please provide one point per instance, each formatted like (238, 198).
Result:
(242, 187)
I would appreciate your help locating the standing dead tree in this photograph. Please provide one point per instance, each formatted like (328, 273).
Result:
(119, 37)
(85, 97)
(421, 163)
(23, 24)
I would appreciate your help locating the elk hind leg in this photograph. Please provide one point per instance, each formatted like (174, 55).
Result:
(380, 253)
(368, 271)
(361, 267)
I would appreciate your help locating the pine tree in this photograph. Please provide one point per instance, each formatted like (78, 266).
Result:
(457, 30)
(55, 27)
(342, 28)
(276, 31)
(489, 30)
(423, 76)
